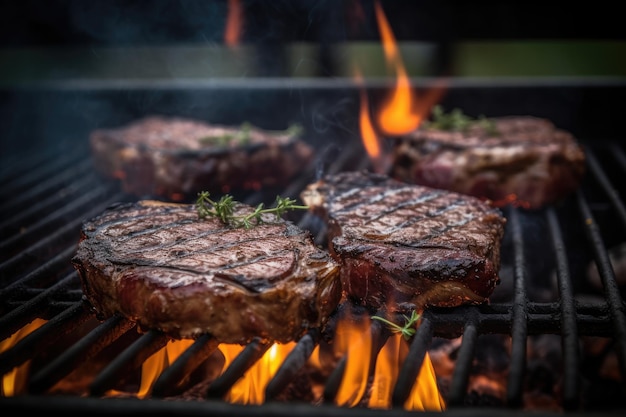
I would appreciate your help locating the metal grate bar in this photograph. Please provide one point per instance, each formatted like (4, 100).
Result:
(519, 315)
(379, 336)
(29, 213)
(292, 364)
(571, 356)
(68, 232)
(72, 210)
(619, 154)
(607, 275)
(13, 170)
(413, 363)
(81, 352)
(41, 180)
(130, 359)
(463, 364)
(44, 336)
(246, 358)
(606, 184)
(28, 311)
(189, 360)
(333, 382)
(56, 263)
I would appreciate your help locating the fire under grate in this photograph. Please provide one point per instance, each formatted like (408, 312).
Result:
(546, 254)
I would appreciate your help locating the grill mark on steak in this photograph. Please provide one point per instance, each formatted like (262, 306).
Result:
(390, 193)
(431, 215)
(160, 265)
(408, 246)
(221, 271)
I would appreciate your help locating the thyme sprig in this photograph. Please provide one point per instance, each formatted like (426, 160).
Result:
(224, 210)
(455, 120)
(408, 330)
(242, 136)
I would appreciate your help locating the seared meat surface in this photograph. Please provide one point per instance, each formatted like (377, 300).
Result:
(160, 265)
(174, 158)
(520, 159)
(404, 246)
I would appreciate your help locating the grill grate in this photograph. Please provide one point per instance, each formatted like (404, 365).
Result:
(45, 205)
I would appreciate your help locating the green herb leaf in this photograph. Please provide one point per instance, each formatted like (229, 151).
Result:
(408, 330)
(458, 122)
(223, 209)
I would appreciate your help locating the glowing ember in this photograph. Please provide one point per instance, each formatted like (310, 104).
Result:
(14, 382)
(511, 199)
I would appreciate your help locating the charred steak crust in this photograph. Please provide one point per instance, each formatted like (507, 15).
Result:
(158, 265)
(522, 158)
(403, 246)
(175, 158)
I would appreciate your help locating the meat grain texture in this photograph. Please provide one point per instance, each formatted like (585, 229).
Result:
(405, 246)
(174, 158)
(520, 159)
(160, 265)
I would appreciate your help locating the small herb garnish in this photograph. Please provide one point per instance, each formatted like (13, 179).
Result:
(407, 330)
(223, 209)
(242, 136)
(239, 137)
(457, 121)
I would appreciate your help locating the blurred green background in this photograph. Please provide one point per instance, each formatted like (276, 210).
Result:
(57, 40)
(535, 58)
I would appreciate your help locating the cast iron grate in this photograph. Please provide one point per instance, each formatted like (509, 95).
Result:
(44, 205)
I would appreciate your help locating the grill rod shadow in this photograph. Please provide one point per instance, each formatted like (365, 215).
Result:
(519, 315)
(569, 333)
(81, 352)
(130, 359)
(607, 275)
(188, 361)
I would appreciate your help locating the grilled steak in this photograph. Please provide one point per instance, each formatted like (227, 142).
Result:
(404, 246)
(518, 159)
(160, 265)
(175, 158)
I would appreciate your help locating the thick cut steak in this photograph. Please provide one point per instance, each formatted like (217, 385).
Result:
(160, 265)
(404, 246)
(175, 158)
(520, 159)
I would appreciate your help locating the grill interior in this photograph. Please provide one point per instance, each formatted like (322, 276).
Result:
(49, 187)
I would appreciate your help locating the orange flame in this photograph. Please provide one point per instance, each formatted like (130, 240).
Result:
(234, 23)
(250, 389)
(14, 381)
(353, 338)
(370, 138)
(152, 367)
(404, 110)
(425, 394)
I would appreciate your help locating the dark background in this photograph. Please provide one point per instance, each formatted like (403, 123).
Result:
(35, 115)
(141, 22)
